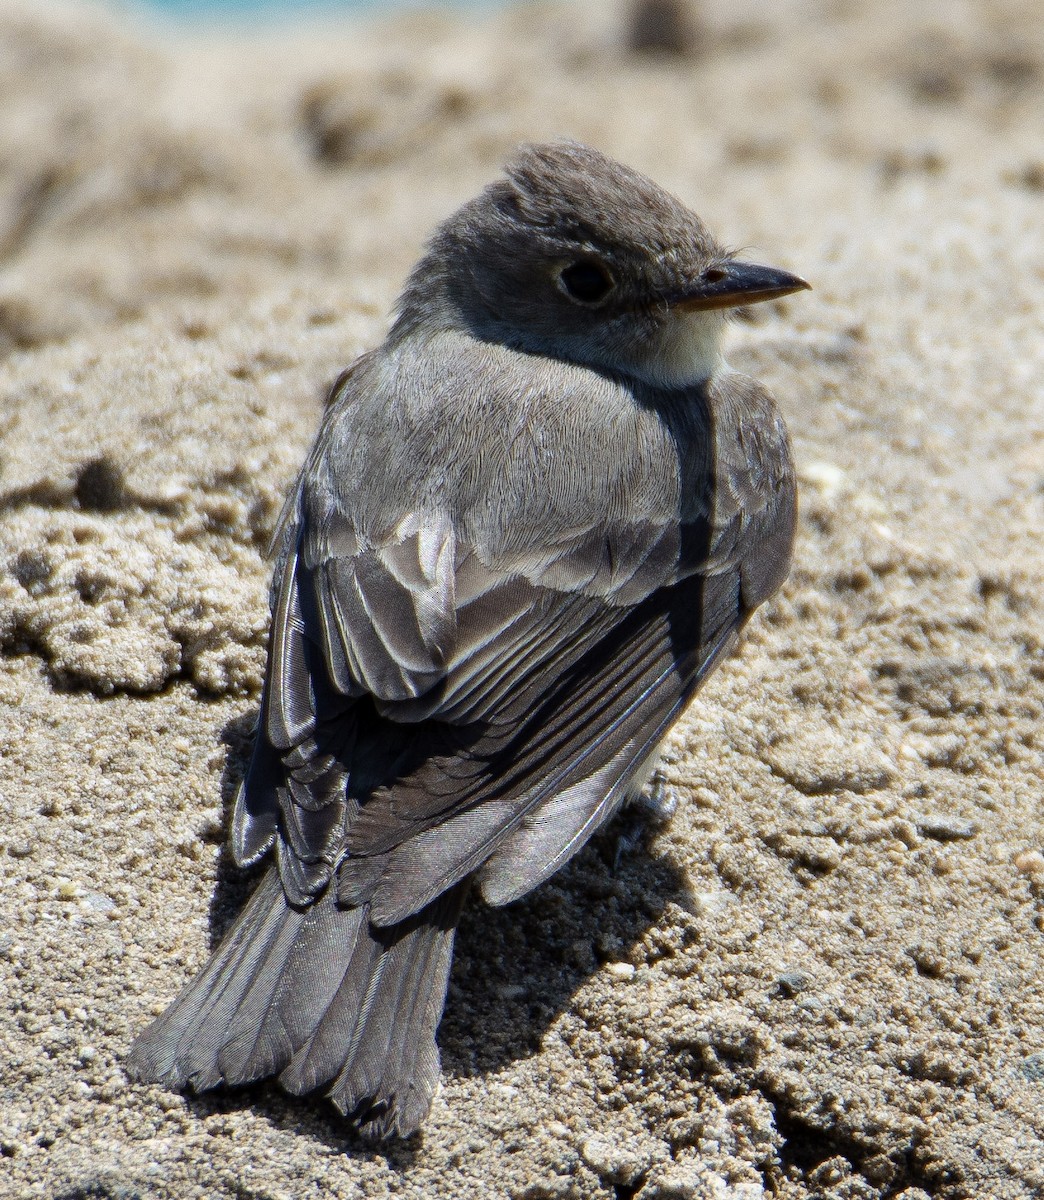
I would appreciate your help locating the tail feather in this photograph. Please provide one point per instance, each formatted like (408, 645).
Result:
(273, 1022)
(322, 1052)
(181, 1046)
(401, 1065)
(320, 997)
(373, 1074)
(380, 1028)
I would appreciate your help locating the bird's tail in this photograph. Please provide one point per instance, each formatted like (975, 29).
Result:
(321, 998)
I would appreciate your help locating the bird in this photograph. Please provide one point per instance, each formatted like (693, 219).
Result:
(532, 522)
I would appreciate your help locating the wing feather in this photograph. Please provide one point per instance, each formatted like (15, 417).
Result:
(443, 701)
(290, 712)
(581, 739)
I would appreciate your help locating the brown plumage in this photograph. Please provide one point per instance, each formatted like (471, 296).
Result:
(531, 524)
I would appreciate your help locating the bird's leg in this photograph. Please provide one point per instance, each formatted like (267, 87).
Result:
(658, 798)
(656, 802)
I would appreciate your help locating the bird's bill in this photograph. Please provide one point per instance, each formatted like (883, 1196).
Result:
(734, 284)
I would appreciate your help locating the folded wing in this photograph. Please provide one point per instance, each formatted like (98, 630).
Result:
(435, 710)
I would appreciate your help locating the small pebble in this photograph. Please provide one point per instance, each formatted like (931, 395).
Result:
(612, 1159)
(1029, 862)
(664, 27)
(792, 982)
(946, 829)
(621, 970)
(824, 477)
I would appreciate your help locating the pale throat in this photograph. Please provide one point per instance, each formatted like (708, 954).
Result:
(688, 350)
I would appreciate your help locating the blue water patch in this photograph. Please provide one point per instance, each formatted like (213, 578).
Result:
(287, 10)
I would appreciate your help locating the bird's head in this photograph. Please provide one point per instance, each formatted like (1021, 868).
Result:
(575, 256)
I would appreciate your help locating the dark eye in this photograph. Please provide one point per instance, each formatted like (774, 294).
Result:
(586, 282)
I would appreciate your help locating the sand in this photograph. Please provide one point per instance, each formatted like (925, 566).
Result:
(825, 976)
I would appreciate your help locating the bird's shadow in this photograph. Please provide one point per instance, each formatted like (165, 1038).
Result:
(515, 969)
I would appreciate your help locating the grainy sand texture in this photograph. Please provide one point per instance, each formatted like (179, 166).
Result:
(825, 976)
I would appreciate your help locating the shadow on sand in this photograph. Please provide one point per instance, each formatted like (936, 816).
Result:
(515, 968)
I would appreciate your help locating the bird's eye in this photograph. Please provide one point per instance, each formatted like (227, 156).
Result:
(586, 282)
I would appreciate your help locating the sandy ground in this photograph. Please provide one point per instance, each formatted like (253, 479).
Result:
(825, 977)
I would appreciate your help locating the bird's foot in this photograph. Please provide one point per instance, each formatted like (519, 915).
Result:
(655, 804)
(658, 799)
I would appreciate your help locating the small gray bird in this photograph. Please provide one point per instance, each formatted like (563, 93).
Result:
(532, 523)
